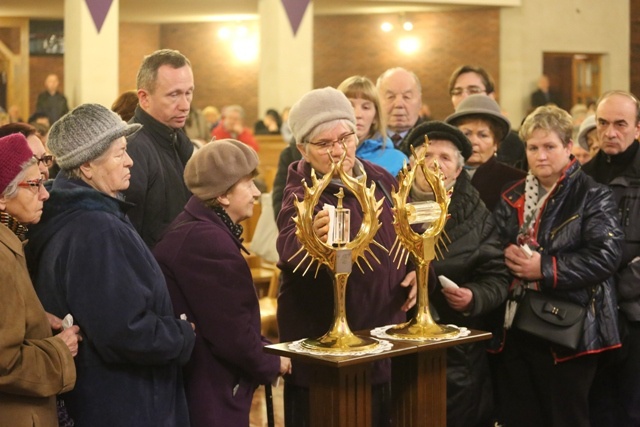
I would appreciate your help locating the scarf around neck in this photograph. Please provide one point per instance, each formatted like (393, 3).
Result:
(236, 229)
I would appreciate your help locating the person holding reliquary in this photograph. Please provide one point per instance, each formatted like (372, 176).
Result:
(324, 126)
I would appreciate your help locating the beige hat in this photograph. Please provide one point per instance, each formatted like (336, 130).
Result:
(217, 166)
(317, 107)
(586, 126)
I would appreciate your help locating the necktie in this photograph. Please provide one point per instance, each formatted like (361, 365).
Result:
(395, 138)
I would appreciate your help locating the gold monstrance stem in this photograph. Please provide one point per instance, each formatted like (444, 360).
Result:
(340, 339)
(422, 325)
(421, 247)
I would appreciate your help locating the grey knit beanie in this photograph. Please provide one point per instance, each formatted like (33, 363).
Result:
(85, 133)
(317, 107)
(217, 166)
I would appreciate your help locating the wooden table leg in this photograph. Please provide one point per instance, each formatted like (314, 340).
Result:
(340, 397)
(419, 389)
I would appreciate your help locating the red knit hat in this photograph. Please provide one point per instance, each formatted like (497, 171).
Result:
(14, 153)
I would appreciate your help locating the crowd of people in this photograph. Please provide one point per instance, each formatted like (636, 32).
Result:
(128, 300)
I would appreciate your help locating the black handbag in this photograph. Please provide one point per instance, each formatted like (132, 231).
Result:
(553, 319)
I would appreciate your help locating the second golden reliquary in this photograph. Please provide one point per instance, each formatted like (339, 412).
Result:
(340, 253)
(421, 247)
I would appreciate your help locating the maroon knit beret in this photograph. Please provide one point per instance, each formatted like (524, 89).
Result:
(14, 153)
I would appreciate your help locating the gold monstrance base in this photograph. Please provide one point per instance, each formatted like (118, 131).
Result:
(341, 344)
(415, 330)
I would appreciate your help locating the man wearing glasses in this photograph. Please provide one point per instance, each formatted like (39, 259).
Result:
(473, 80)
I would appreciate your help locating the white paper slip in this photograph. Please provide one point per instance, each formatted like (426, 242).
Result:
(447, 283)
(332, 216)
(527, 250)
(67, 322)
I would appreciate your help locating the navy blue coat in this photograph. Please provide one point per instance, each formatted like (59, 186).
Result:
(581, 247)
(210, 281)
(87, 259)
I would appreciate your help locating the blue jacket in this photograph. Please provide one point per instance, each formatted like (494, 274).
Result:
(382, 154)
(581, 246)
(87, 259)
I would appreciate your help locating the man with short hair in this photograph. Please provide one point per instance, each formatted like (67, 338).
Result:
(51, 102)
(160, 149)
(543, 95)
(232, 126)
(471, 80)
(615, 396)
(400, 94)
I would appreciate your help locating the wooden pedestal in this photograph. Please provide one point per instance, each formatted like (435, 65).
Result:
(340, 389)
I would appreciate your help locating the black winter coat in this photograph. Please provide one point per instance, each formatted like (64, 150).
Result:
(474, 260)
(581, 245)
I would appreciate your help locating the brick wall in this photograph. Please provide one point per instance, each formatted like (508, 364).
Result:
(348, 45)
(220, 79)
(343, 46)
(136, 41)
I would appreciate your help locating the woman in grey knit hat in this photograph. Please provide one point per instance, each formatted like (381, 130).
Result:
(89, 261)
(324, 126)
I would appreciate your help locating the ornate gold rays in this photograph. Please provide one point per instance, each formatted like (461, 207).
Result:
(339, 339)
(421, 247)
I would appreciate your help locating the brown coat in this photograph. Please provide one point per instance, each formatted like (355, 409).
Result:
(34, 366)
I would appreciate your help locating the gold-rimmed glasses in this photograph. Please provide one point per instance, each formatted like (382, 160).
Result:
(343, 140)
(469, 90)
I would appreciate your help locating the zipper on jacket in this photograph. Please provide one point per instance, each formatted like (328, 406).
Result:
(555, 230)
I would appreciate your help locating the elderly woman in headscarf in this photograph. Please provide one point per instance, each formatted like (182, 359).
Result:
(35, 365)
(210, 282)
(324, 126)
(89, 261)
(472, 258)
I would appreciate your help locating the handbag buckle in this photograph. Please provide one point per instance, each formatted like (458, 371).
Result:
(556, 311)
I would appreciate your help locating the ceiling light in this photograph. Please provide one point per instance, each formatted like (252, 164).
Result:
(386, 27)
(408, 26)
(224, 33)
(408, 45)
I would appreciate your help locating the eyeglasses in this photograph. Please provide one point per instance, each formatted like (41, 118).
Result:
(343, 140)
(46, 159)
(33, 184)
(469, 90)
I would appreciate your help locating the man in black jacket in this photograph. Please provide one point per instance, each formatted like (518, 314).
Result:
(616, 394)
(51, 102)
(160, 149)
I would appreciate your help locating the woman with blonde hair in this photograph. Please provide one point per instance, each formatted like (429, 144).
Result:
(373, 144)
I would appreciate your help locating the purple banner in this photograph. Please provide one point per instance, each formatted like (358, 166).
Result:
(295, 11)
(99, 10)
